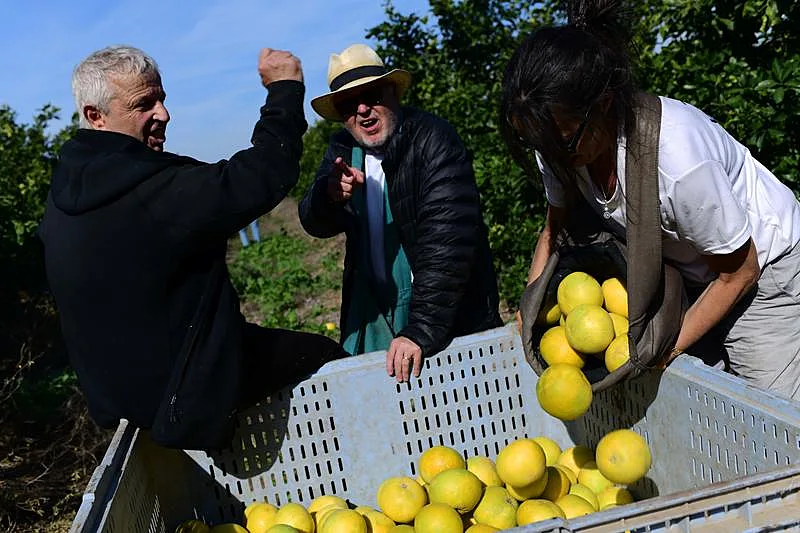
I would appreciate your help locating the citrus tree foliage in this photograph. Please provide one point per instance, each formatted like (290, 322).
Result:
(739, 61)
(736, 60)
(27, 156)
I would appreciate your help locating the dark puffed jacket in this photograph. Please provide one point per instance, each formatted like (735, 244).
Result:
(435, 202)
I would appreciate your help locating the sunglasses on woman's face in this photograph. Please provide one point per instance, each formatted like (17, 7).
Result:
(572, 144)
(370, 98)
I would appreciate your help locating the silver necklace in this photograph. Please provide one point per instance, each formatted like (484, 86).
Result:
(603, 200)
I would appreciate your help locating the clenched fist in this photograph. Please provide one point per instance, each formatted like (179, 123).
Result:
(276, 65)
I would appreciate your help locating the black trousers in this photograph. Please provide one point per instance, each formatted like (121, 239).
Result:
(275, 358)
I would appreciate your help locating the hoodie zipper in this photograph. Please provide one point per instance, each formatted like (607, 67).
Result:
(194, 332)
(173, 410)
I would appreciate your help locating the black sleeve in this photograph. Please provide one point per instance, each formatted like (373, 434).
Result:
(320, 216)
(448, 229)
(216, 200)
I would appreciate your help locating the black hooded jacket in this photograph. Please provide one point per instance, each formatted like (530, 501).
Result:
(131, 239)
(435, 202)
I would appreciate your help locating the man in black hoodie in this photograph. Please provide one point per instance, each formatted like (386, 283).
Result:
(135, 241)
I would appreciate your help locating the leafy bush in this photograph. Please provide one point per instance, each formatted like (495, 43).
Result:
(273, 274)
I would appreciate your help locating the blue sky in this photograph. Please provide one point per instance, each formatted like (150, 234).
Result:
(207, 51)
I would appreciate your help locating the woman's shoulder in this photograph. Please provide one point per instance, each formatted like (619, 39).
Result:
(689, 137)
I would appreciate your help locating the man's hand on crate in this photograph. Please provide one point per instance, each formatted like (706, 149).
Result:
(403, 355)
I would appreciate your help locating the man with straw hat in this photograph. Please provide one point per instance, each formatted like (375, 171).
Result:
(399, 183)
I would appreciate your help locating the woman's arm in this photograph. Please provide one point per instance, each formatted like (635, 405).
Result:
(544, 246)
(738, 273)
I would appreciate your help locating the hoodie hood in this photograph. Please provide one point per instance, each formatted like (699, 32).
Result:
(97, 167)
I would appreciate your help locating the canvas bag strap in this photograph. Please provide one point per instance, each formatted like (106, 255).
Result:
(643, 217)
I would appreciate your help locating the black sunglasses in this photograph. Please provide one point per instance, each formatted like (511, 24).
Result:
(370, 98)
(572, 144)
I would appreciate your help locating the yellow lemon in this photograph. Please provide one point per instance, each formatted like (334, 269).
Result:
(521, 462)
(615, 297)
(281, 528)
(620, 324)
(253, 505)
(558, 484)
(617, 353)
(589, 329)
(403, 528)
(344, 521)
(575, 457)
(481, 528)
(531, 511)
(260, 518)
(401, 498)
(458, 488)
(586, 493)
(438, 459)
(555, 349)
(377, 522)
(563, 392)
(562, 321)
(485, 469)
(549, 314)
(590, 476)
(550, 448)
(193, 526)
(613, 496)
(578, 288)
(326, 500)
(228, 528)
(534, 490)
(497, 508)
(438, 518)
(330, 326)
(295, 515)
(320, 515)
(623, 456)
(573, 477)
(574, 506)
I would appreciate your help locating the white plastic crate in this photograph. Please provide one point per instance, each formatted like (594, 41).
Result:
(723, 452)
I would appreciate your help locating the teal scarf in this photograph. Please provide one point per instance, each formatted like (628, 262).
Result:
(377, 310)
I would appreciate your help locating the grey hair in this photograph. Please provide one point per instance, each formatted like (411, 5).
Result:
(90, 78)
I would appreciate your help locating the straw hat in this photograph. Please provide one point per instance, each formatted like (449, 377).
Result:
(357, 65)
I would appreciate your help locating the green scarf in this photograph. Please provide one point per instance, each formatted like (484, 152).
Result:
(377, 310)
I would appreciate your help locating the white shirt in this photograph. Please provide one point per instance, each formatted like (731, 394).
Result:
(374, 182)
(713, 194)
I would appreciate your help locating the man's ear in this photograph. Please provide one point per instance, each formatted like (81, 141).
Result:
(94, 117)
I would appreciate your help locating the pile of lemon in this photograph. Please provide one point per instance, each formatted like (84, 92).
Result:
(588, 319)
(530, 480)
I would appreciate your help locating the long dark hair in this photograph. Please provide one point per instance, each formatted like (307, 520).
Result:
(569, 67)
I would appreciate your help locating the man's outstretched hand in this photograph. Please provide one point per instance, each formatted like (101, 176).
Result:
(403, 356)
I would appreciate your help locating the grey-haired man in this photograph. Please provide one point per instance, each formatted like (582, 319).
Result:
(135, 242)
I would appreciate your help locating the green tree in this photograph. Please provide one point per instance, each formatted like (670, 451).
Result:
(735, 60)
(738, 61)
(27, 156)
(27, 317)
